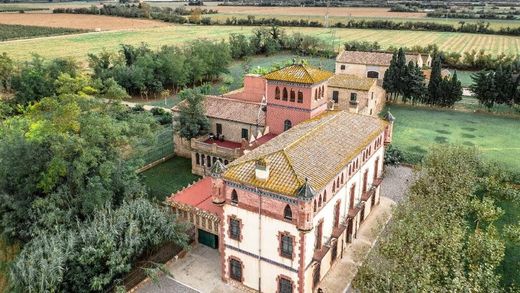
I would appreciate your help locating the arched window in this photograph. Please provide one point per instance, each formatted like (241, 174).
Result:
(319, 92)
(277, 93)
(325, 196)
(234, 197)
(287, 125)
(287, 213)
(293, 96)
(322, 91)
(341, 177)
(202, 157)
(300, 97)
(285, 94)
(373, 74)
(314, 205)
(319, 201)
(197, 159)
(315, 94)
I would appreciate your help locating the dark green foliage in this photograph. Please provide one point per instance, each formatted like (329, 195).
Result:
(443, 238)
(404, 80)
(7, 67)
(14, 31)
(393, 156)
(141, 71)
(92, 256)
(497, 87)
(362, 46)
(37, 78)
(240, 46)
(191, 121)
(434, 85)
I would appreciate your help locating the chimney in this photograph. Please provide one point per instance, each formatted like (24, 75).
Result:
(262, 170)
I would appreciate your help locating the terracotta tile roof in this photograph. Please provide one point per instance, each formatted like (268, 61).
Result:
(299, 73)
(371, 58)
(353, 82)
(196, 197)
(231, 109)
(316, 149)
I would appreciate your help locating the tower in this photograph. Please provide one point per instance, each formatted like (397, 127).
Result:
(295, 93)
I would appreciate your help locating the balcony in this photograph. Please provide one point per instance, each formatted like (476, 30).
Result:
(368, 194)
(217, 147)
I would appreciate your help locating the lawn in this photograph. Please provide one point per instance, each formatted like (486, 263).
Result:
(416, 129)
(79, 46)
(168, 177)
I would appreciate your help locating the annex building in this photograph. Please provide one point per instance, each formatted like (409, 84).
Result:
(289, 177)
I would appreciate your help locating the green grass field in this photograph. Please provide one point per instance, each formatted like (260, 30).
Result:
(168, 177)
(416, 129)
(79, 46)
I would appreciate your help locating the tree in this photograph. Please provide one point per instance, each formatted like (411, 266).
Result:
(239, 45)
(484, 88)
(442, 238)
(450, 90)
(7, 68)
(391, 77)
(434, 91)
(191, 121)
(412, 82)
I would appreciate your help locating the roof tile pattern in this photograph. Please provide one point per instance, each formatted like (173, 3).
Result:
(316, 149)
(232, 109)
(299, 73)
(352, 82)
(371, 58)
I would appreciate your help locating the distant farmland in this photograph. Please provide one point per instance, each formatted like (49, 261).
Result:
(79, 45)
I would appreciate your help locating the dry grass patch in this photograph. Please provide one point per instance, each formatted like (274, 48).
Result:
(78, 21)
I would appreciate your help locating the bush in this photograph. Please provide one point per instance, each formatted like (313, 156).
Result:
(393, 156)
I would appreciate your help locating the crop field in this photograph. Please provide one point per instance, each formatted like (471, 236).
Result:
(78, 21)
(79, 46)
(416, 129)
(11, 32)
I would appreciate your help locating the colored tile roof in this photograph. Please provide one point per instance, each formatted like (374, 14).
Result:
(371, 58)
(299, 73)
(231, 109)
(316, 150)
(353, 82)
(197, 195)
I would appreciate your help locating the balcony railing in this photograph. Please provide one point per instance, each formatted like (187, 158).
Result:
(204, 145)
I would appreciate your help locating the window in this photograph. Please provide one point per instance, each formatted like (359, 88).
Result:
(373, 74)
(277, 93)
(300, 97)
(245, 133)
(286, 243)
(234, 229)
(319, 234)
(293, 96)
(234, 197)
(322, 91)
(219, 128)
(342, 67)
(352, 195)
(319, 200)
(208, 161)
(284, 96)
(285, 286)
(197, 159)
(353, 97)
(325, 196)
(372, 96)
(235, 270)
(315, 94)
(335, 97)
(336, 214)
(202, 159)
(314, 205)
(287, 125)
(287, 213)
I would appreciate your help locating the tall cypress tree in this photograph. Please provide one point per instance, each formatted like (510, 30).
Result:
(390, 77)
(435, 80)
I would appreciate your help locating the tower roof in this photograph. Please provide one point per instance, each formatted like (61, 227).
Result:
(299, 73)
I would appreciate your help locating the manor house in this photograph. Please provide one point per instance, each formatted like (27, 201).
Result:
(289, 179)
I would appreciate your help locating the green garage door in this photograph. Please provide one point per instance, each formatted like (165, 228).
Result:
(208, 239)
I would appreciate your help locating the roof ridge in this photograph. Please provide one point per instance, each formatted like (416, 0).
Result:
(291, 165)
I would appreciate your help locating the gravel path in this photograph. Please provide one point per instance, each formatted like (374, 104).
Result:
(396, 182)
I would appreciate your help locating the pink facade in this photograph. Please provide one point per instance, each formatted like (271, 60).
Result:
(290, 103)
(253, 90)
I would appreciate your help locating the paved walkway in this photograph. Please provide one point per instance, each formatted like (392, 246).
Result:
(342, 273)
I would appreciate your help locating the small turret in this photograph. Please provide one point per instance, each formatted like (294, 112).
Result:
(306, 193)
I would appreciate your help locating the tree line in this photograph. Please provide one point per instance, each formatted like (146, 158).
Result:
(144, 10)
(407, 81)
(443, 237)
(469, 60)
(497, 87)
